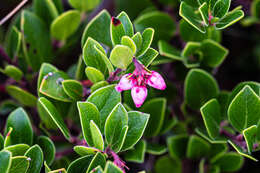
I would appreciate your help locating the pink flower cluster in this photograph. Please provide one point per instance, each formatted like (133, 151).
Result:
(137, 82)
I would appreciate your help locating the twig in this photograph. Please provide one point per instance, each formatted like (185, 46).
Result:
(17, 8)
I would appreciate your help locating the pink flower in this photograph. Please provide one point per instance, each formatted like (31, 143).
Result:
(137, 82)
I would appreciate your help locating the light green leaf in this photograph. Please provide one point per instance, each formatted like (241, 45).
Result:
(83, 151)
(229, 19)
(17, 149)
(94, 74)
(147, 39)
(73, 88)
(121, 56)
(112, 168)
(85, 5)
(13, 72)
(128, 26)
(250, 137)
(117, 30)
(98, 85)
(127, 41)
(96, 136)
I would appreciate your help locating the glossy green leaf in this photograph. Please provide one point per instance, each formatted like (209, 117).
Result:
(5, 160)
(137, 154)
(115, 122)
(46, 10)
(94, 74)
(229, 19)
(87, 112)
(98, 85)
(147, 39)
(197, 147)
(13, 42)
(148, 57)
(96, 136)
(19, 164)
(221, 8)
(192, 56)
(194, 19)
(127, 41)
(105, 99)
(156, 108)
(55, 116)
(137, 38)
(169, 51)
(99, 29)
(83, 151)
(36, 159)
(21, 95)
(84, 5)
(244, 110)
(99, 160)
(212, 118)
(13, 72)
(112, 168)
(137, 123)
(22, 128)
(36, 45)
(94, 55)
(166, 164)
(48, 148)
(80, 165)
(117, 30)
(69, 19)
(250, 137)
(177, 146)
(156, 149)
(200, 86)
(73, 88)
(51, 86)
(17, 149)
(203, 9)
(161, 22)
(229, 162)
(128, 26)
(121, 56)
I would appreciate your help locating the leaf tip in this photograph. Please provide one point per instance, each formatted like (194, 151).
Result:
(115, 21)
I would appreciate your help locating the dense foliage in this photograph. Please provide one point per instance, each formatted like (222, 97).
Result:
(129, 86)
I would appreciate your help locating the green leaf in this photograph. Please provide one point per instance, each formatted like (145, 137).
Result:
(137, 123)
(244, 110)
(83, 151)
(96, 136)
(105, 99)
(147, 39)
(156, 149)
(128, 26)
(148, 57)
(80, 165)
(98, 85)
(56, 117)
(48, 149)
(65, 25)
(46, 10)
(203, 133)
(22, 128)
(17, 149)
(112, 168)
(204, 12)
(19, 164)
(221, 8)
(127, 41)
(200, 86)
(250, 137)
(166, 164)
(212, 117)
(169, 51)
(255, 6)
(229, 19)
(21, 95)
(36, 45)
(73, 88)
(13, 42)
(161, 22)
(156, 108)
(62, 170)
(192, 56)
(87, 112)
(98, 28)
(177, 146)
(241, 151)
(117, 30)
(84, 5)
(137, 38)
(51, 86)
(213, 53)
(36, 159)
(115, 122)
(97, 169)
(197, 147)
(7, 106)
(121, 56)
(46, 167)
(13, 72)
(189, 15)
(5, 160)
(99, 160)
(94, 75)
(137, 154)
(229, 162)
(1, 142)
(7, 140)
(94, 55)
(216, 150)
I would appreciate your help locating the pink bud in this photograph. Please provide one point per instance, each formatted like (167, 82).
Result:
(156, 81)
(139, 94)
(125, 83)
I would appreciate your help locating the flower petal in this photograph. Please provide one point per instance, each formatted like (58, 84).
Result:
(139, 94)
(125, 83)
(156, 80)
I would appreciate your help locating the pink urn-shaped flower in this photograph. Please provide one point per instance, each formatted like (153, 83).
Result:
(138, 81)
